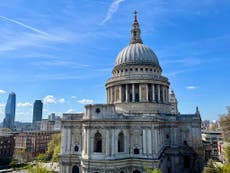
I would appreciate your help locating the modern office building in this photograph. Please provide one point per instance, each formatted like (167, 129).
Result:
(10, 108)
(37, 111)
(139, 127)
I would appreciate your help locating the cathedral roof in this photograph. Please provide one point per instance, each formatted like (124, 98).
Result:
(136, 53)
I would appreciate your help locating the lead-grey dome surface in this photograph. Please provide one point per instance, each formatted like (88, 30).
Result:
(137, 54)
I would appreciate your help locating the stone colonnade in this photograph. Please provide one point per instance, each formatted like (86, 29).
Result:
(138, 93)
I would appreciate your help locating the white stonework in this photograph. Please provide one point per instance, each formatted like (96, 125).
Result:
(139, 127)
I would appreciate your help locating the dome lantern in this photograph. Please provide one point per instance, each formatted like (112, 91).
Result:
(135, 32)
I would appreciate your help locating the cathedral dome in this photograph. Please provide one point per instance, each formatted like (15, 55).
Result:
(137, 54)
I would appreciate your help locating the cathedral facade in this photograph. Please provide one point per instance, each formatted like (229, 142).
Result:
(138, 128)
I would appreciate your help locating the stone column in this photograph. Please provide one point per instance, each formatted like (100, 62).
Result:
(69, 140)
(163, 93)
(113, 142)
(84, 147)
(133, 93)
(120, 94)
(126, 93)
(156, 141)
(88, 142)
(167, 94)
(147, 92)
(107, 98)
(107, 143)
(144, 141)
(140, 93)
(158, 93)
(111, 95)
(62, 140)
(153, 92)
(149, 139)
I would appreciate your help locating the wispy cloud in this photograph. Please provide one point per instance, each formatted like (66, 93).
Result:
(174, 73)
(26, 104)
(85, 101)
(61, 100)
(49, 99)
(2, 91)
(112, 9)
(70, 111)
(191, 87)
(24, 25)
(27, 39)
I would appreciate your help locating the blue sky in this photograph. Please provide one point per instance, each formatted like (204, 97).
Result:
(63, 51)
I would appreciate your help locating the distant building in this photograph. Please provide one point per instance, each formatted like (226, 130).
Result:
(8, 121)
(53, 123)
(23, 126)
(33, 142)
(37, 111)
(6, 146)
(211, 140)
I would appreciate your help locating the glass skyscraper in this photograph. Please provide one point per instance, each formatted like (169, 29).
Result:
(37, 111)
(10, 112)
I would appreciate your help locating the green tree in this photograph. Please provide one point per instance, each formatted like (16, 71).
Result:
(226, 168)
(13, 163)
(38, 169)
(54, 147)
(43, 157)
(56, 151)
(225, 125)
(227, 153)
(212, 168)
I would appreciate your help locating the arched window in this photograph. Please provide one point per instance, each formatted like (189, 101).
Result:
(122, 172)
(75, 169)
(98, 142)
(136, 151)
(136, 171)
(76, 148)
(121, 142)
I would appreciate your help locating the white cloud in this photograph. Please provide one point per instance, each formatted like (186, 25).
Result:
(2, 92)
(69, 111)
(112, 9)
(2, 107)
(23, 25)
(61, 100)
(49, 99)
(73, 97)
(26, 104)
(191, 87)
(85, 101)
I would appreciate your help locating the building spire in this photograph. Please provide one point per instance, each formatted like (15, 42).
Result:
(135, 32)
